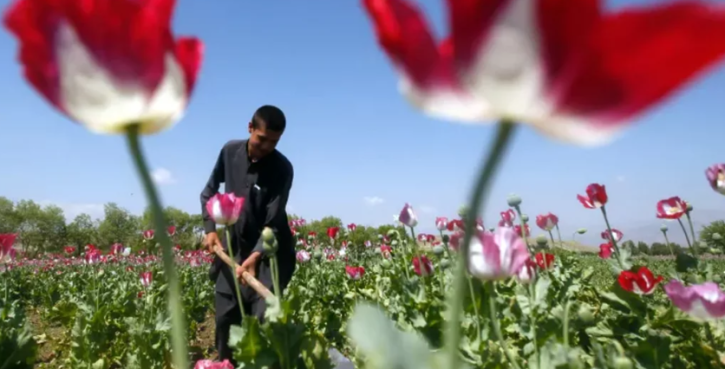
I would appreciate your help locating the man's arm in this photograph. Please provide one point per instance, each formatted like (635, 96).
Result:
(276, 215)
(211, 188)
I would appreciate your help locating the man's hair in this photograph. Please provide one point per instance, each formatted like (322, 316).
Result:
(271, 117)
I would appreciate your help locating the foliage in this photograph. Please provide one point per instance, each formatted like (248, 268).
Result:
(708, 232)
(575, 315)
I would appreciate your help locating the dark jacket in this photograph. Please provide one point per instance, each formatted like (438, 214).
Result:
(265, 185)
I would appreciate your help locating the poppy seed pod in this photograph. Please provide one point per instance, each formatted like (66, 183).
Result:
(525, 218)
(663, 228)
(270, 247)
(463, 211)
(514, 201)
(267, 235)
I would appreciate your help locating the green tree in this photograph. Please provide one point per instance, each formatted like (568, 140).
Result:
(40, 229)
(81, 232)
(708, 234)
(629, 245)
(118, 226)
(9, 221)
(189, 227)
(643, 248)
(28, 214)
(53, 228)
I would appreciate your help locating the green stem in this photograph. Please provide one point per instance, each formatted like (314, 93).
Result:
(565, 329)
(551, 236)
(558, 233)
(498, 147)
(275, 276)
(669, 245)
(174, 302)
(612, 239)
(523, 228)
(415, 242)
(491, 295)
(672, 252)
(532, 317)
(475, 309)
(227, 233)
(692, 229)
(97, 289)
(687, 238)
(713, 343)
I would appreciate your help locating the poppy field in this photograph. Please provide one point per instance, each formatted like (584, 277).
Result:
(383, 301)
(469, 296)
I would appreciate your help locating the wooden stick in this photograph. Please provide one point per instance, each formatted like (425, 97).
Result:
(251, 281)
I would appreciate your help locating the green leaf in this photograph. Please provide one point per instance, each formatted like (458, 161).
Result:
(541, 291)
(654, 352)
(383, 345)
(274, 310)
(611, 299)
(684, 262)
(251, 348)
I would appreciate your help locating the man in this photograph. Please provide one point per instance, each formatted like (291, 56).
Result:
(255, 170)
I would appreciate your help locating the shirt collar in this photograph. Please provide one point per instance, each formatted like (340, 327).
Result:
(249, 159)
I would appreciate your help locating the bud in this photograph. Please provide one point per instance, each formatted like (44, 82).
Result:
(663, 228)
(585, 314)
(717, 278)
(525, 218)
(463, 211)
(716, 236)
(574, 360)
(385, 263)
(492, 230)
(438, 250)
(689, 206)
(392, 233)
(445, 264)
(541, 241)
(447, 238)
(513, 201)
(270, 247)
(267, 235)
(317, 254)
(581, 230)
(623, 362)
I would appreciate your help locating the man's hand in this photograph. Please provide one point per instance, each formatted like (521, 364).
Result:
(250, 266)
(210, 241)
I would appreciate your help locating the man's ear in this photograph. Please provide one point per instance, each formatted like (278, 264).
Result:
(250, 127)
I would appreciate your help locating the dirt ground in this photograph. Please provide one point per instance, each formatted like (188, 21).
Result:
(50, 340)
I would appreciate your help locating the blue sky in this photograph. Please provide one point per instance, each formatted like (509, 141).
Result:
(359, 150)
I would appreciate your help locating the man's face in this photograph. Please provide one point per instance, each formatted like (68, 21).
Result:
(262, 141)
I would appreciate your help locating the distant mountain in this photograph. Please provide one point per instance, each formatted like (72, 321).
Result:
(649, 231)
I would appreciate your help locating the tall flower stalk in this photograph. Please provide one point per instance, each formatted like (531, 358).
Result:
(175, 303)
(452, 334)
(230, 251)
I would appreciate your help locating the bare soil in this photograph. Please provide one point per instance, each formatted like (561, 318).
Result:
(50, 340)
